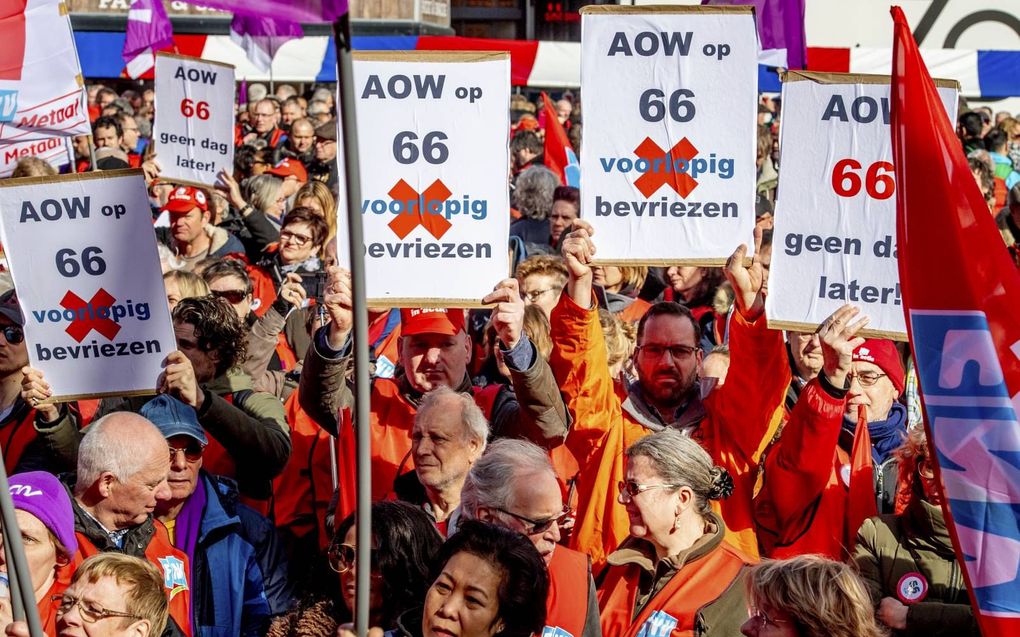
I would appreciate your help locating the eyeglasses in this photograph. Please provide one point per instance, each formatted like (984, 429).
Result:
(632, 489)
(297, 239)
(540, 526)
(677, 352)
(14, 334)
(762, 620)
(192, 453)
(232, 296)
(924, 469)
(264, 115)
(341, 557)
(866, 379)
(90, 612)
(534, 295)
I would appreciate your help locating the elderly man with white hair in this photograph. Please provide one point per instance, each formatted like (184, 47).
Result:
(514, 486)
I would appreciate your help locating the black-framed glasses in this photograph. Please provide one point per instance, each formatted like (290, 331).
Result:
(540, 526)
(90, 612)
(866, 379)
(297, 239)
(14, 334)
(192, 452)
(677, 352)
(232, 296)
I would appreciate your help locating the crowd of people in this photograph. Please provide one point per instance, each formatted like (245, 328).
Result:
(619, 451)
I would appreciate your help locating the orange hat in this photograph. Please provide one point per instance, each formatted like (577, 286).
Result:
(289, 168)
(431, 320)
(184, 199)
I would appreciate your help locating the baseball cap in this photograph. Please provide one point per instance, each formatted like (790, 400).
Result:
(326, 131)
(185, 199)
(10, 308)
(42, 495)
(882, 352)
(289, 168)
(173, 418)
(431, 320)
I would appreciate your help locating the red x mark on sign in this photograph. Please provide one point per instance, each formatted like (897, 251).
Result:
(657, 175)
(89, 315)
(416, 211)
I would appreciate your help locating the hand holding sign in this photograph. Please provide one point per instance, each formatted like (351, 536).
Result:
(508, 315)
(339, 301)
(748, 281)
(35, 390)
(179, 380)
(579, 251)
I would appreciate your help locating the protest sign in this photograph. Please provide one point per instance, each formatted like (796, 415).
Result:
(667, 164)
(433, 130)
(41, 92)
(194, 129)
(56, 151)
(835, 221)
(83, 257)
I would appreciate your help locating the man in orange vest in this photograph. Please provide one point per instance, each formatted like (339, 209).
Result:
(513, 485)
(123, 466)
(434, 351)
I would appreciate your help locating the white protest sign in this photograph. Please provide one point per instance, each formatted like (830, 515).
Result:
(41, 92)
(670, 101)
(194, 129)
(433, 134)
(834, 240)
(84, 261)
(56, 151)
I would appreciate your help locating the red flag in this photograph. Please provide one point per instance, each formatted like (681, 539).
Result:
(559, 154)
(962, 298)
(861, 503)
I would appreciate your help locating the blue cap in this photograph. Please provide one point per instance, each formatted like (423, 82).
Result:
(173, 418)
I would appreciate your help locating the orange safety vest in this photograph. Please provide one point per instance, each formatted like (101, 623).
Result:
(566, 607)
(302, 493)
(172, 563)
(391, 421)
(674, 610)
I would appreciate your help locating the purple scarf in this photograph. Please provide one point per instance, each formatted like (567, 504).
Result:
(189, 521)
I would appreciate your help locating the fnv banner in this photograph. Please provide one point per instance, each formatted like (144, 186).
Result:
(433, 134)
(670, 101)
(83, 257)
(41, 92)
(835, 228)
(194, 131)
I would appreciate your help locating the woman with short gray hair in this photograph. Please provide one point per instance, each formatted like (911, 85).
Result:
(674, 569)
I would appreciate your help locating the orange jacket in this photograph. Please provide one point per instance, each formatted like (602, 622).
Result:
(674, 610)
(738, 420)
(566, 607)
(172, 563)
(804, 505)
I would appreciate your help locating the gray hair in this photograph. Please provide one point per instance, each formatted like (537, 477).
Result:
(101, 451)
(261, 191)
(681, 461)
(533, 195)
(256, 92)
(323, 94)
(318, 107)
(492, 479)
(476, 427)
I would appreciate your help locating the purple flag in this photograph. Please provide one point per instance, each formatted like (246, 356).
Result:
(148, 30)
(261, 38)
(780, 29)
(300, 11)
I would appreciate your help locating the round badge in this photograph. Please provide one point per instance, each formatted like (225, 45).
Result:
(912, 588)
(844, 475)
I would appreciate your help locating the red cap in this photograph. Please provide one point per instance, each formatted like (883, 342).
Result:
(431, 320)
(289, 168)
(882, 353)
(185, 199)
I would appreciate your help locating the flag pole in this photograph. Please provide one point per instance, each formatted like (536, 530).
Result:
(23, 604)
(346, 115)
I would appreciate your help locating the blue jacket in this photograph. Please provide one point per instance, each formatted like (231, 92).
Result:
(228, 588)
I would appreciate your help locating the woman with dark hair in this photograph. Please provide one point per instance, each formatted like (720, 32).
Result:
(488, 581)
(404, 542)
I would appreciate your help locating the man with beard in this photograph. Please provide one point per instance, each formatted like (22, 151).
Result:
(732, 423)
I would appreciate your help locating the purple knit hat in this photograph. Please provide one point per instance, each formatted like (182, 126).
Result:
(42, 495)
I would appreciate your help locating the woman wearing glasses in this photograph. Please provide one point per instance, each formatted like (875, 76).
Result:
(907, 560)
(808, 596)
(673, 573)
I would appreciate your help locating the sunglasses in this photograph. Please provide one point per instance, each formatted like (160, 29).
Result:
(341, 557)
(232, 296)
(14, 334)
(192, 453)
(534, 527)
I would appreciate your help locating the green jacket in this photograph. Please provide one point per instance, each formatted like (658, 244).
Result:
(916, 541)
